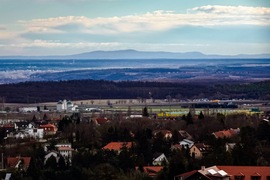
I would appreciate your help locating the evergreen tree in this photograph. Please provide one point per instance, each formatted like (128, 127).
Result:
(51, 163)
(201, 115)
(126, 161)
(61, 163)
(145, 112)
(189, 119)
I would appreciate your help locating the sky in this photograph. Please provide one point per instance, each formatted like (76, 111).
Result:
(63, 27)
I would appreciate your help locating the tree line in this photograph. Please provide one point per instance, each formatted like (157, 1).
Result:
(49, 91)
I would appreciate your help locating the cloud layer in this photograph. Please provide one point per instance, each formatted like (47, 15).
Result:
(154, 21)
(44, 32)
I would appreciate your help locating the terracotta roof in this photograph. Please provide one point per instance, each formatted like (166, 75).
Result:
(151, 170)
(187, 174)
(102, 120)
(231, 171)
(226, 133)
(65, 149)
(8, 126)
(247, 171)
(13, 161)
(47, 126)
(191, 173)
(116, 146)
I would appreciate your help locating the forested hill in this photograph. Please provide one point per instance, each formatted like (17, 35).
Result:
(32, 92)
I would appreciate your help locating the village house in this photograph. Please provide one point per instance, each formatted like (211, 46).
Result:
(159, 158)
(165, 133)
(102, 120)
(226, 133)
(49, 129)
(198, 150)
(66, 151)
(21, 125)
(186, 143)
(117, 146)
(176, 147)
(8, 128)
(55, 154)
(227, 173)
(151, 171)
(229, 146)
(18, 163)
(184, 135)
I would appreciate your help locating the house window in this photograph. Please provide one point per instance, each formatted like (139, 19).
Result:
(255, 177)
(240, 177)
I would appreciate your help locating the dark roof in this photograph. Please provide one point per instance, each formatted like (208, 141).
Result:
(22, 124)
(157, 154)
(201, 146)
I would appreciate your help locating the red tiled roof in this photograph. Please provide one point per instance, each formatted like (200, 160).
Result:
(65, 149)
(187, 174)
(13, 161)
(47, 126)
(225, 133)
(102, 120)
(191, 173)
(8, 126)
(116, 146)
(151, 170)
(247, 171)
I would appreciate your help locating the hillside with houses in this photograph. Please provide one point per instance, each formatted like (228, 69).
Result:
(65, 140)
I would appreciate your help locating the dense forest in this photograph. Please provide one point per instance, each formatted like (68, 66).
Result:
(48, 91)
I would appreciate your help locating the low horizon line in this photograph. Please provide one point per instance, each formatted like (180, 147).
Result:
(145, 51)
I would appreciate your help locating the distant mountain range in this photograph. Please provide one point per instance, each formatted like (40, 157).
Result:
(133, 54)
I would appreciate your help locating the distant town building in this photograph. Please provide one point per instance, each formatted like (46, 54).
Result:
(66, 106)
(28, 109)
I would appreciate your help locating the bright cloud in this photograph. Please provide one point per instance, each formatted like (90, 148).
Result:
(154, 21)
(233, 10)
(57, 44)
